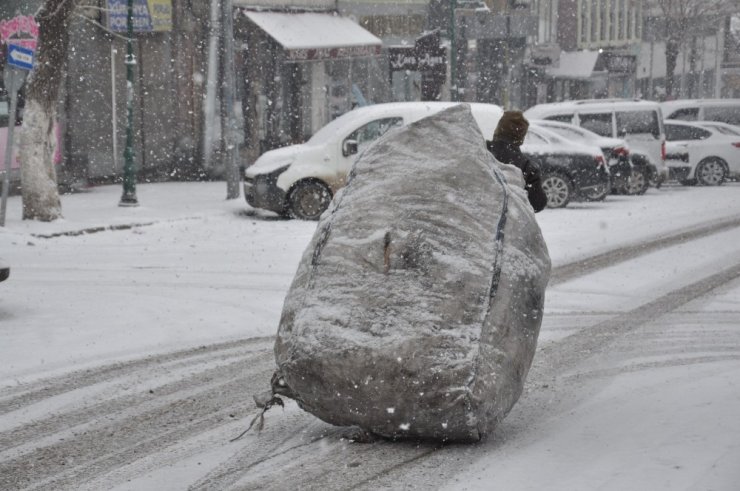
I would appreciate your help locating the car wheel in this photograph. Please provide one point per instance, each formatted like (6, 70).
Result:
(597, 193)
(309, 199)
(638, 182)
(711, 171)
(558, 190)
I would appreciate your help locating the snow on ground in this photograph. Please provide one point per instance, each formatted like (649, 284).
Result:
(204, 272)
(191, 268)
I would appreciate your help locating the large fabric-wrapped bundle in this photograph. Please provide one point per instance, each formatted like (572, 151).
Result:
(416, 307)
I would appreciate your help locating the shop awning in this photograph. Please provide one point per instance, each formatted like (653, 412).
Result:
(316, 36)
(575, 65)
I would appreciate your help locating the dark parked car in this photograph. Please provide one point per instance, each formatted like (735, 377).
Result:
(570, 170)
(616, 151)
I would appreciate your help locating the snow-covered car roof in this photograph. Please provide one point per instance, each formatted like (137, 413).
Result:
(542, 140)
(582, 134)
(411, 110)
(684, 103)
(551, 108)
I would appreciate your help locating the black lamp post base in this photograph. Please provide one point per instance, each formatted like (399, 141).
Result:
(128, 201)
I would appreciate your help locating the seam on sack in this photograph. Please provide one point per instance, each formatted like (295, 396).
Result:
(495, 277)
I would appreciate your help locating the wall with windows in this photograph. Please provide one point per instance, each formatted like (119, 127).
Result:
(547, 14)
(594, 24)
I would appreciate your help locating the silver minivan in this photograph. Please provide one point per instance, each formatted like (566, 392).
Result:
(638, 122)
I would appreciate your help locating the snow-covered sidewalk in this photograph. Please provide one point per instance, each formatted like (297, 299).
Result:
(97, 207)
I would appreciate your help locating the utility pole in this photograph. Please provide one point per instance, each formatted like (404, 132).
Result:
(453, 53)
(13, 82)
(718, 54)
(231, 145)
(129, 177)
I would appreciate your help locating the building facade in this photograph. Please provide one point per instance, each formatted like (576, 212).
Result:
(600, 41)
(168, 88)
(299, 66)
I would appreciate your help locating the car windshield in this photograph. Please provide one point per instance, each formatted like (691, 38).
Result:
(638, 123)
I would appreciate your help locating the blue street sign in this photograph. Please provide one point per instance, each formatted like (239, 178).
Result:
(20, 57)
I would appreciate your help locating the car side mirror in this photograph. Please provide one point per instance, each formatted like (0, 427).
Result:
(349, 147)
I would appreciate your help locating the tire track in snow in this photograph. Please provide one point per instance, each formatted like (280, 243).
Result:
(15, 397)
(123, 429)
(582, 267)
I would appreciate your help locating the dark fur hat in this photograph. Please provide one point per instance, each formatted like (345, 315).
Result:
(512, 127)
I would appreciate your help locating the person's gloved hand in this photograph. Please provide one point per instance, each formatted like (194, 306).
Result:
(531, 172)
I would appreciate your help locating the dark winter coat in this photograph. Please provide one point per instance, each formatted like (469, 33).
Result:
(507, 138)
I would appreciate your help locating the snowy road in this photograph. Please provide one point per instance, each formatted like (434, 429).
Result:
(634, 385)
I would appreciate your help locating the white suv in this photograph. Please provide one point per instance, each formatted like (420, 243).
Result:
(638, 122)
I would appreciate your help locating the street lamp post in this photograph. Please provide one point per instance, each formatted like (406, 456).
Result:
(129, 178)
(453, 53)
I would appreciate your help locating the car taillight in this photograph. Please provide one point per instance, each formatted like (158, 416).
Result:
(599, 160)
(736, 144)
(662, 150)
(621, 151)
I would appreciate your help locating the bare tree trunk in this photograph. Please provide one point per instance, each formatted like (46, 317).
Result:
(671, 54)
(38, 138)
(693, 58)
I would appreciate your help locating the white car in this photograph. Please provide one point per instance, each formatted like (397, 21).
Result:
(697, 153)
(615, 150)
(301, 180)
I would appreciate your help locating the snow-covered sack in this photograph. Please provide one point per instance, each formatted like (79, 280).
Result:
(416, 307)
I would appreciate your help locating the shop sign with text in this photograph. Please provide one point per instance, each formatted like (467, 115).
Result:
(148, 15)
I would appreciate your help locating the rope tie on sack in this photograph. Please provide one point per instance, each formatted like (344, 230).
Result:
(274, 401)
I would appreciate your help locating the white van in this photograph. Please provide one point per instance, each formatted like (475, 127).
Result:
(300, 180)
(721, 110)
(638, 122)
